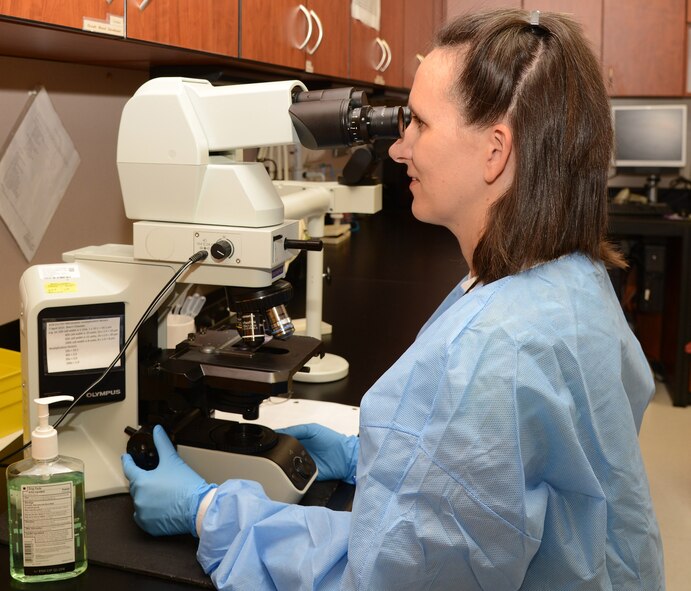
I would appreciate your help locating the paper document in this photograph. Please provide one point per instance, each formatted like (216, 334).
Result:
(367, 11)
(35, 171)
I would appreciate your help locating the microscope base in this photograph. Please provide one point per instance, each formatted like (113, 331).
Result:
(300, 325)
(272, 470)
(329, 368)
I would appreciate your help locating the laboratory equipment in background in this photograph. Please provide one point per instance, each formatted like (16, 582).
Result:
(47, 514)
(184, 181)
(649, 140)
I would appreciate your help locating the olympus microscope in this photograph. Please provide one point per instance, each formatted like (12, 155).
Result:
(94, 325)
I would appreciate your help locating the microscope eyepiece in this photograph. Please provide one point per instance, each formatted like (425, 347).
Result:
(343, 117)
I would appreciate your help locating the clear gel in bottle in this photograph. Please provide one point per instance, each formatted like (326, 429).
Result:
(47, 516)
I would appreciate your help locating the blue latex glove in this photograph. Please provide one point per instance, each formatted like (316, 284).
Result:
(167, 498)
(334, 453)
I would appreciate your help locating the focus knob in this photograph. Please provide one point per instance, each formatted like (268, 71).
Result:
(302, 467)
(221, 249)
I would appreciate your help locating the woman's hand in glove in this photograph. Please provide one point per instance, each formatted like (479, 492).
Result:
(166, 499)
(334, 453)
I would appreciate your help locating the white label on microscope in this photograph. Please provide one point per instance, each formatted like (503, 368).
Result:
(59, 272)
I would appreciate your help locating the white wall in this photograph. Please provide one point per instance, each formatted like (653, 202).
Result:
(88, 101)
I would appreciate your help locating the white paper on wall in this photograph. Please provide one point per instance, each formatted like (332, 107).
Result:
(367, 11)
(36, 168)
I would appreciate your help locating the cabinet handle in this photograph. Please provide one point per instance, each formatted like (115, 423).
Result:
(384, 55)
(321, 33)
(419, 57)
(143, 4)
(304, 11)
(388, 59)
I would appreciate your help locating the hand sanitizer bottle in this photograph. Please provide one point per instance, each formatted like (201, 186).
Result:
(45, 494)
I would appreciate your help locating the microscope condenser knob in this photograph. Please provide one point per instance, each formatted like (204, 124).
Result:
(221, 249)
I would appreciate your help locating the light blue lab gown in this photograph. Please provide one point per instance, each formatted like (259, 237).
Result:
(499, 452)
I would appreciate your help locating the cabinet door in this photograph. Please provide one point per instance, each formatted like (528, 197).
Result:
(587, 12)
(328, 49)
(643, 47)
(422, 18)
(78, 14)
(366, 51)
(309, 35)
(377, 56)
(272, 30)
(393, 33)
(202, 25)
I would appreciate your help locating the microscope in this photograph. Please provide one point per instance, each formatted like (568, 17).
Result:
(194, 202)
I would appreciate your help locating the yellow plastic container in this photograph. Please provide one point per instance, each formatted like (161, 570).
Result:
(10, 392)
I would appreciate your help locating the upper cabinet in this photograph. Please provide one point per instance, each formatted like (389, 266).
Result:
(422, 19)
(98, 16)
(311, 35)
(643, 47)
(319, 37)
(641, 44)
(391, 54)
(202, 25)
(328, 48)
(376, 54)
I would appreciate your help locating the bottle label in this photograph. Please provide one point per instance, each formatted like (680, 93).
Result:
(48, 528)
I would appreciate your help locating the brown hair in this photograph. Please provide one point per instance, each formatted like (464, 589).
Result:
(546, 83)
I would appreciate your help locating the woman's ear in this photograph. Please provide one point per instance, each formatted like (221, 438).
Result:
(500, 147)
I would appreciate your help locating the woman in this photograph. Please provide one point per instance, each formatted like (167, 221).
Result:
(500, 451)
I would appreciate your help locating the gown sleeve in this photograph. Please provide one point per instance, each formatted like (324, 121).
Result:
(248, 541)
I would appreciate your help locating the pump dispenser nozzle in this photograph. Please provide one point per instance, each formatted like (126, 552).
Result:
(44, 438)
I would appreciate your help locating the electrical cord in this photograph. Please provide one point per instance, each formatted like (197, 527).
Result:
(156, 302)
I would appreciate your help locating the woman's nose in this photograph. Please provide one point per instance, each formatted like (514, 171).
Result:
(396, 150)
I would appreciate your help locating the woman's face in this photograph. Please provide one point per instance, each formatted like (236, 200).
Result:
(446, 158)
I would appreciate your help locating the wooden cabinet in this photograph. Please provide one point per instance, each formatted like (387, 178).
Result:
(367, 52)
(91, 15)
(330, 55)
(643, 49)
(310, 35)
(422, 19)
(392, 34)
(376, 56)
(202, 25)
